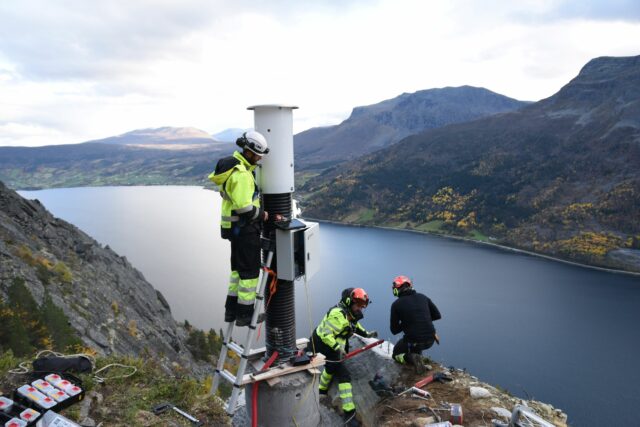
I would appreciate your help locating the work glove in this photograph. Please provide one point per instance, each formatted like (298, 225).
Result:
(372, 334)
(437, 338)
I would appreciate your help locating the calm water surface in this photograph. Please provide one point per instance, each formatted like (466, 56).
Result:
(558, 333)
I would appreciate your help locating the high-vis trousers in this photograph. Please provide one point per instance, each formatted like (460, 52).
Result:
(333, 368)
(245, 266)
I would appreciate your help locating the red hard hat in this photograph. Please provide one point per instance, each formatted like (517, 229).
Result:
(400, 281)
(359, 294)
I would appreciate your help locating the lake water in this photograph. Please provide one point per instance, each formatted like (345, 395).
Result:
(559, 333)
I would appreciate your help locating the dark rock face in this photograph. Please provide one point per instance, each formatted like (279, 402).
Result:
(110, 304)
(377, 126)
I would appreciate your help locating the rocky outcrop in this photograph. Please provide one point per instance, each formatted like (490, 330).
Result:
(108, 302)
(481, 402)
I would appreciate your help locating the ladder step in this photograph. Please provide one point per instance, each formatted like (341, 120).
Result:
(228, 376)
(237, 348)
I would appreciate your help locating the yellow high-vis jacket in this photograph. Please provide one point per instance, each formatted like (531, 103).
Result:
(335, 328)
(234, 176)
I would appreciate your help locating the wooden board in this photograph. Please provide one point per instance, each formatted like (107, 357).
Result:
(283, 370)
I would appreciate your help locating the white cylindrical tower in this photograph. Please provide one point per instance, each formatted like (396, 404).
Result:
(275, 122)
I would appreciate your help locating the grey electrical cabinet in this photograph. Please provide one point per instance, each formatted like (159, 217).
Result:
(297, 251)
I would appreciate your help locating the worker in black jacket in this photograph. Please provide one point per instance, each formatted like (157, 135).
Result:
(413, 314)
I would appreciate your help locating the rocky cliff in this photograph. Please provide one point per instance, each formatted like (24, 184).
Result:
(110, 305)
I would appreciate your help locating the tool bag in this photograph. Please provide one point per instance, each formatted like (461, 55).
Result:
(78, 364)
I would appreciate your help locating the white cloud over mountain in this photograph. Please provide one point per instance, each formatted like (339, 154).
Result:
(72, 70)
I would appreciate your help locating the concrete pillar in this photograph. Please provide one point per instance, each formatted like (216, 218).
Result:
(296, 395)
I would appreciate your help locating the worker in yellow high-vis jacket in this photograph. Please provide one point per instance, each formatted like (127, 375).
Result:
(241, 223)
(331, 338)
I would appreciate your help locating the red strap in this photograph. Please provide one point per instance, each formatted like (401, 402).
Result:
(273, 287)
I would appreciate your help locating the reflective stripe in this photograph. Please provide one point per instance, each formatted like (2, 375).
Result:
(247, 291)
(233, 284)
(225, 196)
(325, 380)
(333, 326)
(346, 396)
(244, 209)
(232, 218)
(325, 331)
(344, 387)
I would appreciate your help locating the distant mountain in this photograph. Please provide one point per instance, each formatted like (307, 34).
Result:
(229, 135)
(142, 157)
(560, 177)
(377, 126)
(186, 155)
(161, 136)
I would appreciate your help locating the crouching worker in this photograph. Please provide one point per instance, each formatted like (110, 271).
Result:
(413, 314)
(331, 338)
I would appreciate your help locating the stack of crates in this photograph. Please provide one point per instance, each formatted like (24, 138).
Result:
(52, 392)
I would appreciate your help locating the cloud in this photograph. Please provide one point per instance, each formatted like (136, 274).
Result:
(599, 10)
(28, 134)
(78, 39)
(71, 39)
(89, 70)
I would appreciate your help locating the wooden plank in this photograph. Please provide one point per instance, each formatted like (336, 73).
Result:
(273, 381)
(283, 370)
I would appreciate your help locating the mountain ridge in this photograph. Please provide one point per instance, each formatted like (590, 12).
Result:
(170, 156)
(376, 126)
(559, 177)
(159, 136)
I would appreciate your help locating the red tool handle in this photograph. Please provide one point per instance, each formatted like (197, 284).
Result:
(254, 392)
(423, 382)
(360, 350)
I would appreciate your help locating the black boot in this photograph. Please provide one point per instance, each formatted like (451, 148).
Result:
(244, 314)
(230, 308)
(416, 360)
(350, 419)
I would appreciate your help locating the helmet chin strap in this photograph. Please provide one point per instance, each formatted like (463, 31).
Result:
(357, 315)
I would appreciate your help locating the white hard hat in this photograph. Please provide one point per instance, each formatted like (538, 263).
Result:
(253, 141)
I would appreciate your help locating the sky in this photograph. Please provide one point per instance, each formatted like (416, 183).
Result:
(77, 70)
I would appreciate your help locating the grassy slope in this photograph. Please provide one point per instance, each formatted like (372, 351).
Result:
(128, 401)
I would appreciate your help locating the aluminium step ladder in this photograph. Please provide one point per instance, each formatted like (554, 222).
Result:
(243, 351)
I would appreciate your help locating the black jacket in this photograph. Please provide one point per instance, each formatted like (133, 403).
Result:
(413, 313)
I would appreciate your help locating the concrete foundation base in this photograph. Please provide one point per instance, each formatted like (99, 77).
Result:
(291, 402)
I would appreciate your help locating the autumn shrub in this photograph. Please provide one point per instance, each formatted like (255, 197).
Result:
(27, 327)
(589, 244)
